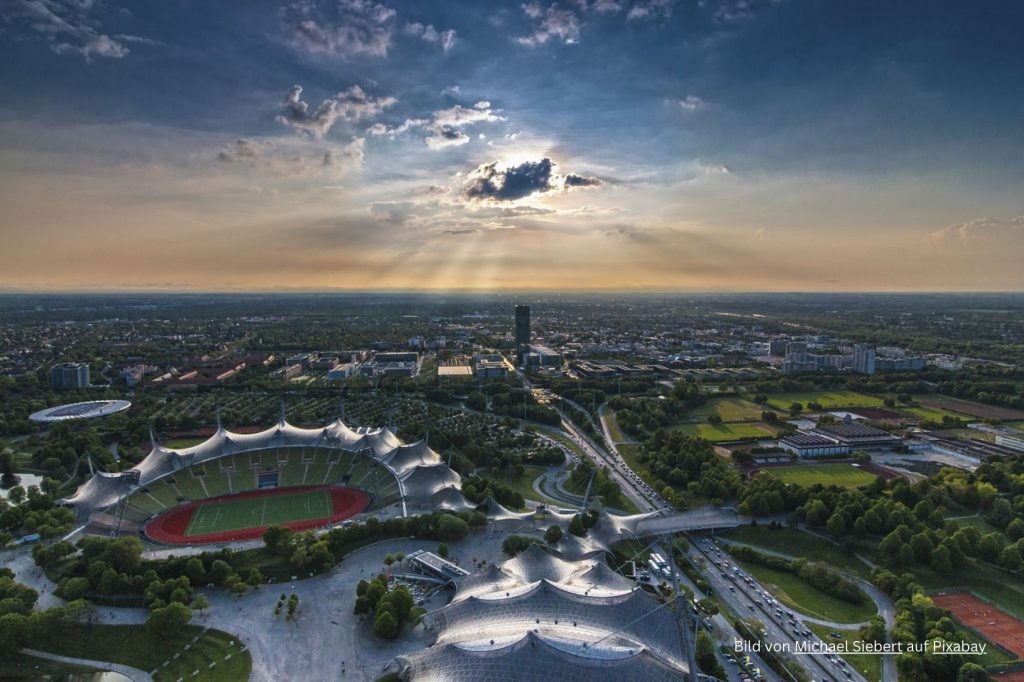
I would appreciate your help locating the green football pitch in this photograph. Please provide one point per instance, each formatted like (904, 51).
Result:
(840, 474)
(229, 515)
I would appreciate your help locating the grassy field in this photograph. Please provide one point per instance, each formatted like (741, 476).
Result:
(613, 426)
(869, 665)
(796, 594)
(219, 517)
(730, 410)
(827, 399)
(524, 484)
(797, 543)
(132, 645)
(844, 475)
(727, 432)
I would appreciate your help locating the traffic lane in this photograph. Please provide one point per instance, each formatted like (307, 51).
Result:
(746, 596)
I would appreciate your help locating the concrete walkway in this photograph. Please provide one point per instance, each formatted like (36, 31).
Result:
(134, 673)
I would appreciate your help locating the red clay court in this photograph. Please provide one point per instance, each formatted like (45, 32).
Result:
(244, 516)
(994, 624)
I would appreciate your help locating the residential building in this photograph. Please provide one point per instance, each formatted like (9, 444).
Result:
(70, 375)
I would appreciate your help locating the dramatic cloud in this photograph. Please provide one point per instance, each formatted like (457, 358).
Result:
(67, 27)
(981, 227)
(344, 27)
(495, 182)
(551, 22)
(446, 38)
(350, 105)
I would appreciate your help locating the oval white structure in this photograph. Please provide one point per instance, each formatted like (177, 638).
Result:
(87, 410)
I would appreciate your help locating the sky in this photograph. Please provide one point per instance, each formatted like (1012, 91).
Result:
(691, 145)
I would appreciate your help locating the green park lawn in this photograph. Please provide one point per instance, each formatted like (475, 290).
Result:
(798, 595)
(132, 645)
(832, 473)
(827, 399)
(524, 484)
(868, 664)
(730, 409)
(728, 432)
(796, 543)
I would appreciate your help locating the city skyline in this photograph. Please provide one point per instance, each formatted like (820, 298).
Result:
(631, 145)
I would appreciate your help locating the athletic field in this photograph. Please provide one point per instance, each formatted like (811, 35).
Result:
(234, 514)
(835, 473)
(246, 515)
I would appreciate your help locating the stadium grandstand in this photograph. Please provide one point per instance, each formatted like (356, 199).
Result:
(394, 476)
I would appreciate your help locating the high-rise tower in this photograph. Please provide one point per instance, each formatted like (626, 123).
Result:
(522, 331)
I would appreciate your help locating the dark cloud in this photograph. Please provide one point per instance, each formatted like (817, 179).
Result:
(516, 182)
(573, 180)
(492, 182)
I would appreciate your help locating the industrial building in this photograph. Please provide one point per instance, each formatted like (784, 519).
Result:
(813, 445)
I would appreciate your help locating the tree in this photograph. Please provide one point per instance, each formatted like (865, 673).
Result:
(576, 526)
(708, 606)
(451, 528)
(200, 604)
(385, 625)
(278, 540)
(168, 619)
(255, 578)
(836, 525)
(442, 549)
(972, 672)
(220, 572)
(704, 652)
(195, 571)
(553, 534)
(817, 513)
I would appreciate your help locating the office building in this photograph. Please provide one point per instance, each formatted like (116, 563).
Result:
(70, 375)
(522, 331)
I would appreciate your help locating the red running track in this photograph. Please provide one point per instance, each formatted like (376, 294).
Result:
(170, 527)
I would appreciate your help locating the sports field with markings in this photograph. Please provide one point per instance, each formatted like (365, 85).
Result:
(257, 512)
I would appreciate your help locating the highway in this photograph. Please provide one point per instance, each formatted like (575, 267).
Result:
(747, 598)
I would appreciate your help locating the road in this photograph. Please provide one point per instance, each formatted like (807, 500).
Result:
(746, 597)
(633, 487)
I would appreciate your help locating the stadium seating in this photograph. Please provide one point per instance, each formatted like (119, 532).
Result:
(316, 471)
(237, 473)
(217, 481)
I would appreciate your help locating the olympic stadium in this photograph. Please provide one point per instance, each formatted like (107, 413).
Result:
(233, 485)
(541, 616)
